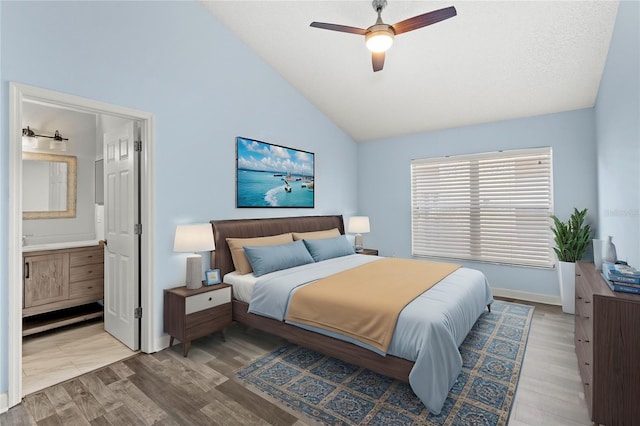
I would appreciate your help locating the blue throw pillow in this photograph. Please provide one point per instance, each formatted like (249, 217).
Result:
(265, 259)
(329, 248)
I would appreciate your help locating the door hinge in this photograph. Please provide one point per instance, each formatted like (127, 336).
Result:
(137, 146)
(137, 312)
(137, 229)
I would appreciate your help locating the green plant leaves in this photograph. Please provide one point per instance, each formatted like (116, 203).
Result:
(571, 238)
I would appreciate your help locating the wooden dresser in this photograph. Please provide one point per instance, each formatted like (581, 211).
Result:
(607, 341)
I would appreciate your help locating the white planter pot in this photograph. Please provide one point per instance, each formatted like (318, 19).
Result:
(567, 277)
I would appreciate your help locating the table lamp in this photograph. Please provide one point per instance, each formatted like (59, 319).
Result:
(358, 225)
(192, 239)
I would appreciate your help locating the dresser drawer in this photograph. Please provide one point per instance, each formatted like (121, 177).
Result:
(202, 301)
(90, 289)
(86, 257)
(86, 272)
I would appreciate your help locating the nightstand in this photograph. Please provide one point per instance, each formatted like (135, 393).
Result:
(189, 314)
(370, 252)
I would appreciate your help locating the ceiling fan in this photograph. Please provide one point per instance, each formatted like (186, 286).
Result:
(379, 36)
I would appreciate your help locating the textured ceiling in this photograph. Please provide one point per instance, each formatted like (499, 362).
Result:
(493, 61)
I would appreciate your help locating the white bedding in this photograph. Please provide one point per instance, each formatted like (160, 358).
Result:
(242, 285)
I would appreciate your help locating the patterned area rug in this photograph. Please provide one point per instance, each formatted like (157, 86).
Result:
(337, 393)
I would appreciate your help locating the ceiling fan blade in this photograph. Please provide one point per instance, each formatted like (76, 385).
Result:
(378, 60)
(336, 27)
(424, 20)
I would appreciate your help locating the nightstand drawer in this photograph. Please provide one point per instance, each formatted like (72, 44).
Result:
(204, 322)
(202, 301)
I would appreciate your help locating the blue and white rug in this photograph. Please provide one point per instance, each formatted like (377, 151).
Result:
(337, 393)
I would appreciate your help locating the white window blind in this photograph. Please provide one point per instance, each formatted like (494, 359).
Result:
(491, 207)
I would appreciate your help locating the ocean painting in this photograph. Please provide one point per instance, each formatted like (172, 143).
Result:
(269, 175)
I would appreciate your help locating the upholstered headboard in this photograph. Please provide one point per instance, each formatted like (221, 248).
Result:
(250, 228)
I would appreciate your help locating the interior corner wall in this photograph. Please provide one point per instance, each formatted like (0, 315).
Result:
(385, 188)
(203, 86)
(618, 136)
(4, 207)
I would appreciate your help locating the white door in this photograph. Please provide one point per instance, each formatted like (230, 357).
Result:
(121, 277)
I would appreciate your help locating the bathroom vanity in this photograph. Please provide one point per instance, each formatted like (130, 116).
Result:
(61, 287)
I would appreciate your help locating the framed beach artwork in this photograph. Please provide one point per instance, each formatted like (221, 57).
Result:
(269, 175)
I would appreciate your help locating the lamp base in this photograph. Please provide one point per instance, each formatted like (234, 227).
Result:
(358, 243)
(194, 272)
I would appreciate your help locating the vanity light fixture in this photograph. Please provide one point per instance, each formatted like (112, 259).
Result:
(29, 140)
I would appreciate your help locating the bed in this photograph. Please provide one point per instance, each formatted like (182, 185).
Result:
(402, 361)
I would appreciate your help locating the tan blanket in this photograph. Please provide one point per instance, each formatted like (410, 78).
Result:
(364, 302)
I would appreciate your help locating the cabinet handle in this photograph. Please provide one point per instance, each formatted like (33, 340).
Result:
(26, 270)
(586, 317)
(587, 341)
(586, 363)
(578, 275)
(587, 301)
(210, 299)
(579, 297)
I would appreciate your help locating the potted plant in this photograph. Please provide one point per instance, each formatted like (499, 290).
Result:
(572, 239)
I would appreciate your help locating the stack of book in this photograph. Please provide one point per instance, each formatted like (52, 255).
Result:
(621, 277)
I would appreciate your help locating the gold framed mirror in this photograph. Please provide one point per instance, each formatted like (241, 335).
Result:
(48, 186)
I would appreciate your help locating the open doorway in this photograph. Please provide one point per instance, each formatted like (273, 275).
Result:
(138, 141)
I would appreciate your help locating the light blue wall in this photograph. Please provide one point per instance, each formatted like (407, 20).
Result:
(3, 227)
(204, 87)
(385, 194)
(618, 135)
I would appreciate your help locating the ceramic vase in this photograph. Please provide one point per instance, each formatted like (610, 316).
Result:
(567, 279)
(610, 254)
(597, 253)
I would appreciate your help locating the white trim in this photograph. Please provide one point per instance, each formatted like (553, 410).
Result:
(17, 94)
(527, 296)
(3, 402)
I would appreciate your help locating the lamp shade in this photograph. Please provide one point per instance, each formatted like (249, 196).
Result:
(358, 225)
(194, 238)
(379, 41)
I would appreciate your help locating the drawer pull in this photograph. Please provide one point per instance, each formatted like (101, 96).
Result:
(579, 340)
(587, 341)
(586, 317)
(586, 363)
(578, 275)
(579, 297)
(587, 301)
(210, 299)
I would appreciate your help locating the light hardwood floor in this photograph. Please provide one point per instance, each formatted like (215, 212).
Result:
(58, 355)
(167, 389)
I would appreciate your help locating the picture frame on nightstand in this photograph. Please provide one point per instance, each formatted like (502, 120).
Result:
(212, 277)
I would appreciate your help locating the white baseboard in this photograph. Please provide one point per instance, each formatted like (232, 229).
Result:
(162, 342)
(529, 297)
(4, 405)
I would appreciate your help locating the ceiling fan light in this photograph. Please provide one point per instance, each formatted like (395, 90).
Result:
(379, 41)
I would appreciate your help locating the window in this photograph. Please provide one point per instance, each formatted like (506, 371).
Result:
(492, 207)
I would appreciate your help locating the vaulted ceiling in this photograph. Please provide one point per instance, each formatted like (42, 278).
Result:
(493, 61)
